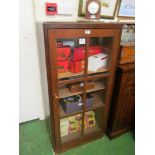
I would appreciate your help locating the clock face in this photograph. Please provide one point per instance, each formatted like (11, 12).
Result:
(93, 8)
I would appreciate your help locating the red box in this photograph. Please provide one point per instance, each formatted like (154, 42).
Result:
(76, 66)
(63, 53)
(51, 8)
(79, 52)
(63, 66)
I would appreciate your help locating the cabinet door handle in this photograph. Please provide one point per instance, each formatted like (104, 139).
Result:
(56, 97)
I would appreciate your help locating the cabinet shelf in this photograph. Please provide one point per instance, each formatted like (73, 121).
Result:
(77, 135)
(69, 74)
(91, 130)
(101, 70)
(71, 137)
(98, 103)
(65, 92)
(63, 114)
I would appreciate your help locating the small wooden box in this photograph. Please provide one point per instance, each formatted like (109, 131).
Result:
(79, 87)
(127, 54)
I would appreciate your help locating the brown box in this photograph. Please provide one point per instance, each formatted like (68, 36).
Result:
(127, 54)
(79, 86)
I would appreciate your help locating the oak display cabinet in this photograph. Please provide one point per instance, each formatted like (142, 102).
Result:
(69, 48)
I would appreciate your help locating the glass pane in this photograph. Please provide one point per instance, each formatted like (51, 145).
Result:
(95, 93)
(100, 51)
(93, 122)
(70, 98)
(95, 85)
(95, 100)
(70, 128)
(70, 57)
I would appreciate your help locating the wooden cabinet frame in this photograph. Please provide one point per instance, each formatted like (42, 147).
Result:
(56, 30)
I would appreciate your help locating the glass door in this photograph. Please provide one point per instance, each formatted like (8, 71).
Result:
(70, 56)
(81, 79)
(99, 62)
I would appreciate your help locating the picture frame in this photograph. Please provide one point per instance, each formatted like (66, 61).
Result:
(108, 8)
(126, 9)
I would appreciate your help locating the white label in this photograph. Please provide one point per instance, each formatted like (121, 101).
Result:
(82, 41)
(80, 104)
(87, 31)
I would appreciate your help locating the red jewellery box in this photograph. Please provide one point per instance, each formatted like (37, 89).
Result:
(76, 66)
(79, 52)
(63, 66)
(63, 53)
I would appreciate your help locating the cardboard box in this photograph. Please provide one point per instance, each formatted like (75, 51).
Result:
(79, 52)
(63, 53)
(76, 106)
(73, 125)
(63, 66)
(97, 61)
(76, 66)
(79, 86)
(90, 119)
(64, 125)
(127, 54)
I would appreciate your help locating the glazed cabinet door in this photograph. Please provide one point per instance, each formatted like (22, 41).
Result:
(82, 62)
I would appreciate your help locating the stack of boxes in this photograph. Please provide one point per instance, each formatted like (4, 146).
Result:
(78, 56)
(70, 58)
(63, 56)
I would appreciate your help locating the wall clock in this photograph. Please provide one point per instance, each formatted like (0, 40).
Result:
(93, 8)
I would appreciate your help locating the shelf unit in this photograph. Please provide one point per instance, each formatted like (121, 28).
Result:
(65, 92)
(93, 120)
(69, 74)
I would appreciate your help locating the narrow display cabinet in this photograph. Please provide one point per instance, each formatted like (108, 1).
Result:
(81, 61)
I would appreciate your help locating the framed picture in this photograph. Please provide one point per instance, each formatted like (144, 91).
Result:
(108, 8)
(127, 8)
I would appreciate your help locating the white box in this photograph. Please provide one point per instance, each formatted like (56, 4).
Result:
(97, 61)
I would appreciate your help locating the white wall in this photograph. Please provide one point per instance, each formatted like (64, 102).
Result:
(30, 97)
(33, 79)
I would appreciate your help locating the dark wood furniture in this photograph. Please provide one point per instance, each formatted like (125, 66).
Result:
(80, 35)
(122, 111)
